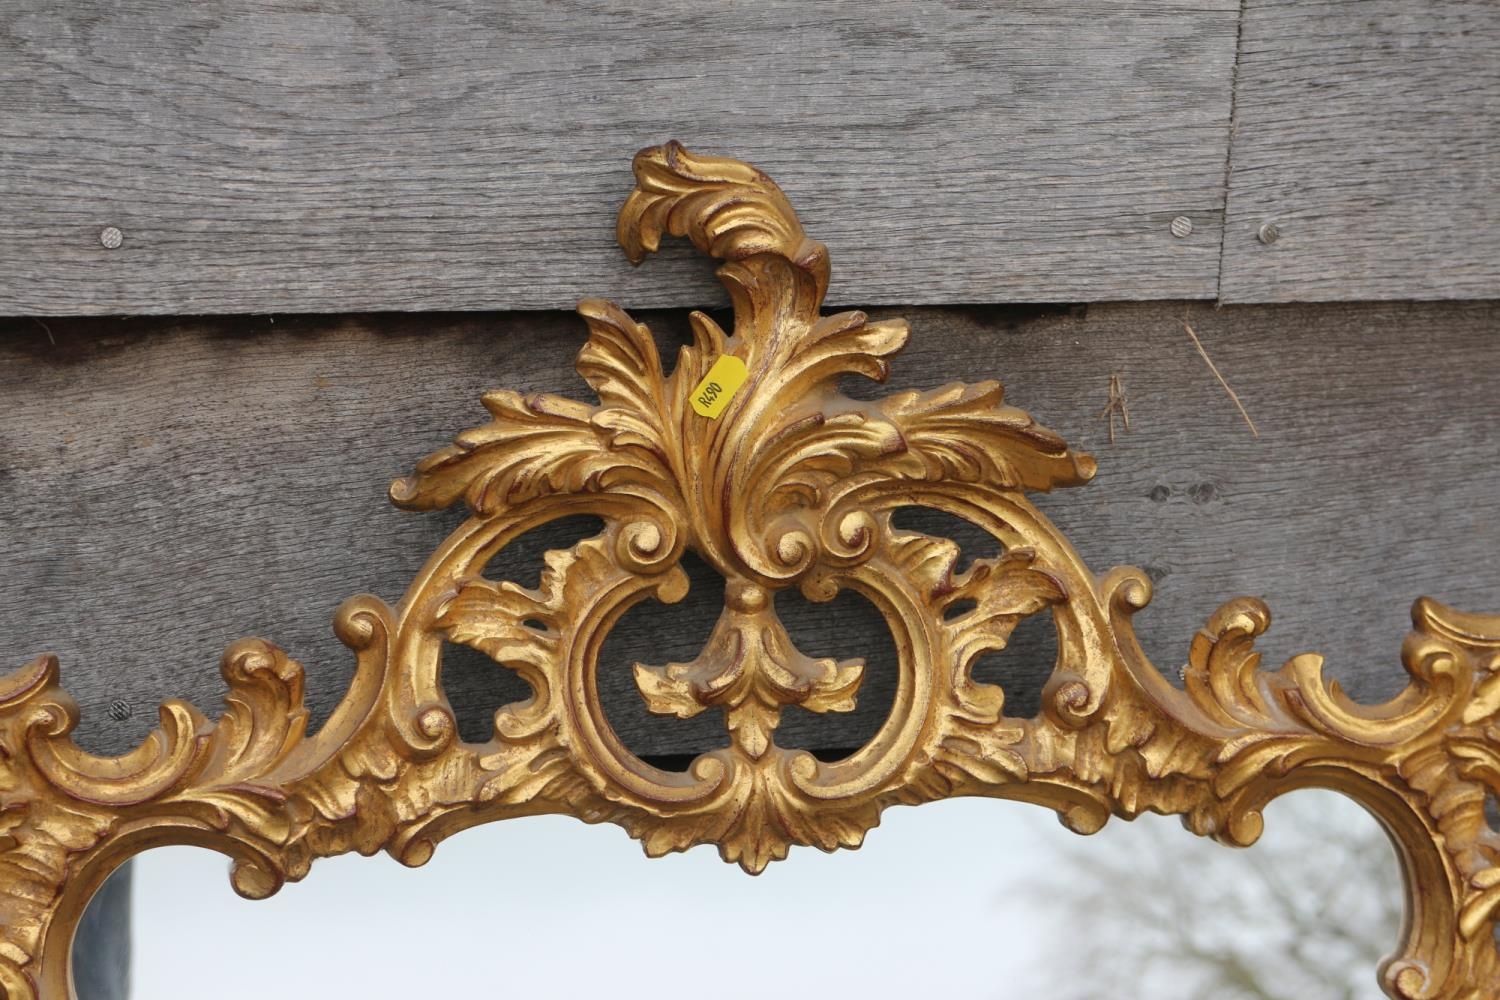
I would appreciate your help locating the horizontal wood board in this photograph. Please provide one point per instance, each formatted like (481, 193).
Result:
(168, 486)
(264, 157)
(1368, 131)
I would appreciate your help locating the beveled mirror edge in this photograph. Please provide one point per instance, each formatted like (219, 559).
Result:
(787, 484)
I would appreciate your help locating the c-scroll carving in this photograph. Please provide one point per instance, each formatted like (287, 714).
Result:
(793, 485)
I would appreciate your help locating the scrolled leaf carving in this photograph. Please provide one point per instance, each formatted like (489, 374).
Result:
(792, 486)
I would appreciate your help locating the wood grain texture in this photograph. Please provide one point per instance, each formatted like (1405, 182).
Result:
(265, 157)
(1369, 130)
(170, 486)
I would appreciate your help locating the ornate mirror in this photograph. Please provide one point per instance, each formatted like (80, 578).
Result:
(747, 456)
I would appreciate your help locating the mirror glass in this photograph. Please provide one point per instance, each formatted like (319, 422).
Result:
(971, 898)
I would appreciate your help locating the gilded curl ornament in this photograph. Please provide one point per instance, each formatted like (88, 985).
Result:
(790, 484)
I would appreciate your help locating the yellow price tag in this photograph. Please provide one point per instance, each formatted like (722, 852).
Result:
(719, 386)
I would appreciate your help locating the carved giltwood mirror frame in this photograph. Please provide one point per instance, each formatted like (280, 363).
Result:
(776, 483)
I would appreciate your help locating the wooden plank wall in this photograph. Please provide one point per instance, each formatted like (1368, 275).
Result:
(395, 156)
(259, 157)
(1368, 131)
(172, 486)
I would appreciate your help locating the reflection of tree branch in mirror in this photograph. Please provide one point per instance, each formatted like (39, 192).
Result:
(1304, 914)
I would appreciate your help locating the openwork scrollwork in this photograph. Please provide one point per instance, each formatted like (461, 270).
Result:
(791, 485)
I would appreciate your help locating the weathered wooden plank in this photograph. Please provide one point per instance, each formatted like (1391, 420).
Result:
(170, 486)
(1369, 132)
(396, 156)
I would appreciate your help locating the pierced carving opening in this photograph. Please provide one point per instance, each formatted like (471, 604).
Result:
(477, 687)
(959, 608)
(973, 541)
(847, 627)
(1024, 666)
(523, 560)
(655, 633)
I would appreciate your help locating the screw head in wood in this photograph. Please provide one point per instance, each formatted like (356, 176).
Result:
(110, 238)
(1182, 227)
(1268, 233)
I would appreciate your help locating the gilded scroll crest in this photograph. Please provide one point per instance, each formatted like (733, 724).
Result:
(792, 485)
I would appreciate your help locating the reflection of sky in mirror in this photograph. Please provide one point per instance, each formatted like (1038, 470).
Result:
(969, 897)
